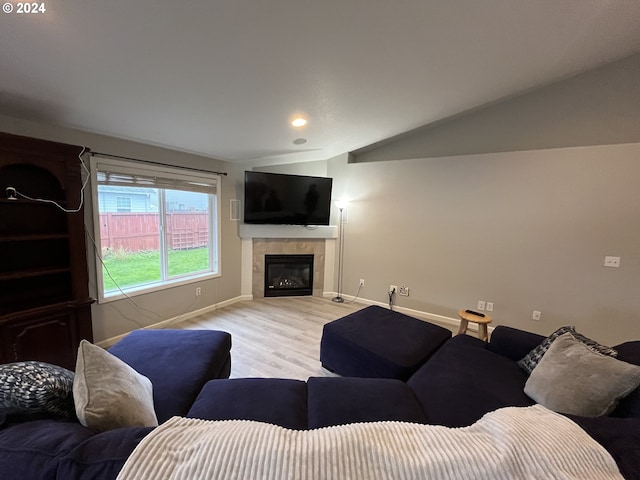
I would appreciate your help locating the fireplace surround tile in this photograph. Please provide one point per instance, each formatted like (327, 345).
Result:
(283, 246)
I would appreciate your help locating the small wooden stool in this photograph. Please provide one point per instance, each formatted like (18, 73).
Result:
(482, 322)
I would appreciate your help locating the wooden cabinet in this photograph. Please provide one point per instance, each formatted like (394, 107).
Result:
(45, 308)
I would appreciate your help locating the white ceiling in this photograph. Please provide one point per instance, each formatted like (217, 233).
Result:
(222, 78)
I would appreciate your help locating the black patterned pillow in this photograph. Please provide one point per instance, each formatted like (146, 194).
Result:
(37, 387)
(531, 360)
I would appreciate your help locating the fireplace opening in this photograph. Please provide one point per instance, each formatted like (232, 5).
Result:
(288, 275)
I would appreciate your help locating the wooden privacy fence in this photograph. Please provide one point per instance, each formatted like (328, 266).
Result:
(135, 232)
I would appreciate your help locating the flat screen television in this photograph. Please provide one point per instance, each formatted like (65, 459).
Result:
(279, 199)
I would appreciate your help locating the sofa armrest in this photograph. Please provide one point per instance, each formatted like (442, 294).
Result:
(512, 342)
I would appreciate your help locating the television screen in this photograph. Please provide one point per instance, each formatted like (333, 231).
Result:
(278, 199)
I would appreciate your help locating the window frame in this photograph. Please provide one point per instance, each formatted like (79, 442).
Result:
(215, 230)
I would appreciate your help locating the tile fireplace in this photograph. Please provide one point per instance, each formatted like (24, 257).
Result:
(260, 247)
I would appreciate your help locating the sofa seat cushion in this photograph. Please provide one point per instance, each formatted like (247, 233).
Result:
(343, 400)
(464, 380)
(178, 363)
(102, 456)
(34, 449)
(271, 400)
(379, 343)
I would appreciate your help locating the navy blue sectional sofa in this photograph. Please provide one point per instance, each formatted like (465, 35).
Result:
(462, 381)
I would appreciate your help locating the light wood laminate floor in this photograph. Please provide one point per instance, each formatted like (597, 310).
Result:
(274, 337)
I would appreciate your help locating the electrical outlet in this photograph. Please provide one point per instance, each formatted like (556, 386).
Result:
(481, 304)
(362, 282)
(393, 288)
(198, 291)
(404, 291)
(612, 262)
(489, 306)
(536, 315)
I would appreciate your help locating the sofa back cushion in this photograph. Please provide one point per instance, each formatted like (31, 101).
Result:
(343, 400)
(512, 342)
(280, 401)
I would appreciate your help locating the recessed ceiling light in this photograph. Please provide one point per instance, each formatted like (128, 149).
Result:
(299, 122)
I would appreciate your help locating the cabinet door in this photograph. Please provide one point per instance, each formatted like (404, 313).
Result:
(47, 339)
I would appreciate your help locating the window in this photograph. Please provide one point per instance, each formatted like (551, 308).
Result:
(154, 226)
(123, 204)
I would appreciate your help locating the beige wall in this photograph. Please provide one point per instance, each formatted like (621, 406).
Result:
(114, 318)
(525, 230)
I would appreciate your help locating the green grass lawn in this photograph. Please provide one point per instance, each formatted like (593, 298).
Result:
(144, 267)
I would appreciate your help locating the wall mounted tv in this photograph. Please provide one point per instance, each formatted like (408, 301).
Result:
(279, 199)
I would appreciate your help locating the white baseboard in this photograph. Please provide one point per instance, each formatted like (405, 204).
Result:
(449, 322)
(185, 316)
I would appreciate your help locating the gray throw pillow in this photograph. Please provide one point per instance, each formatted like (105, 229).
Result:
(110, 394)
(37, 387)
(572, 378)
(529, 362)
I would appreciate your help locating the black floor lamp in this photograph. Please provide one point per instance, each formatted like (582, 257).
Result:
(341, 204)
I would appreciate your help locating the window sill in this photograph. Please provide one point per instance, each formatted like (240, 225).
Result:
(155, 287)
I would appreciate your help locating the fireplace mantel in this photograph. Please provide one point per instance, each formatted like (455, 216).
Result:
(247, 231)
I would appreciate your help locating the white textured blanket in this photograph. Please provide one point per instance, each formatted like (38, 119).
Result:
(510, 443)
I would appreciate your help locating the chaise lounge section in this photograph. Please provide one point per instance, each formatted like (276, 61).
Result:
(178, 362)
